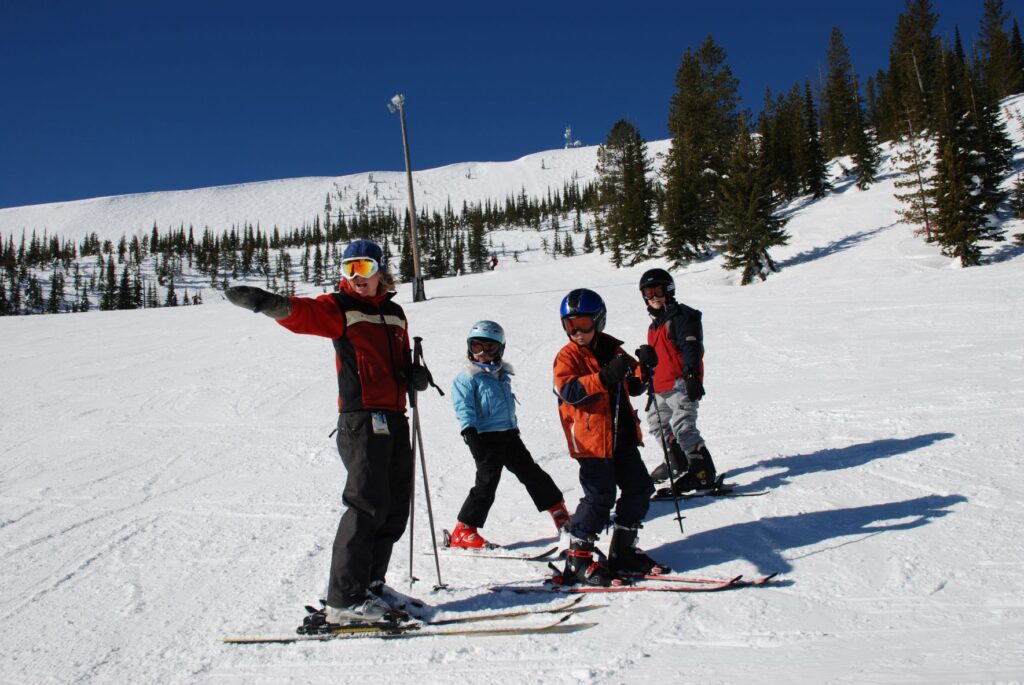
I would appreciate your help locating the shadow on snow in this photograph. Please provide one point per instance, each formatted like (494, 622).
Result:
(764, 543)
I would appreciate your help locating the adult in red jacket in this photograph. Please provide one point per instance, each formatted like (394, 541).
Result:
(594, 379)
(372, 361)
(677, 336)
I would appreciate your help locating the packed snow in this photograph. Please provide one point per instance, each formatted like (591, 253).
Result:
(168, 477)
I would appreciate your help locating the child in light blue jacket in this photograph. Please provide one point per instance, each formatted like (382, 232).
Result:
(486, 409)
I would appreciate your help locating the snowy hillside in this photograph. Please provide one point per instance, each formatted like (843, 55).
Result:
(167, 478)
(290, 203)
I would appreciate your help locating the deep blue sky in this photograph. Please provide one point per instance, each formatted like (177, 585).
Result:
(106, 97)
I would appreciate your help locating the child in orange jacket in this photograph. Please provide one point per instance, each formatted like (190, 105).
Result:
(594, 379)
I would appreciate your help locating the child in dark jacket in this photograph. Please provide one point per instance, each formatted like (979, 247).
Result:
(485, 406)
(677, 336)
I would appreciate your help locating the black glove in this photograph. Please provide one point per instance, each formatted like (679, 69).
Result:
(260, 301)
(475, 442)
(646, 355)
(615, 370)
(418, 377)
(694, 388)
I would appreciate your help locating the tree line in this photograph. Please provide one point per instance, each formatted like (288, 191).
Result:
(41, 273)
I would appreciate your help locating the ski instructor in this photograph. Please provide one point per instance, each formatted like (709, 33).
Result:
(374, 369)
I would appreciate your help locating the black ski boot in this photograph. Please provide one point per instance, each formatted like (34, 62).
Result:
(626, 559)
(675, 455)
(582, 569)
(700, 473)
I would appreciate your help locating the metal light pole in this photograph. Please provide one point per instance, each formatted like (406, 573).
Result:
(418, 294)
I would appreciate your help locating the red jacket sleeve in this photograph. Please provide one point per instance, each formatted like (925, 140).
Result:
(320, 316)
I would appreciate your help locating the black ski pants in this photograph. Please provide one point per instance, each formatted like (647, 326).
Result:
(600, 478)
(505, 450)
(377, 494)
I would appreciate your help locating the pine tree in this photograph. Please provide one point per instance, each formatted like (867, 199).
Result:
(109, 297)
(913, 160)
(915, 63)
(814, 172)
(749, 224)
(839, 100)
(56, 299)
(1017, 198)
(626, 196)
(961, 218)
(863, 149)
(476, 244)
(782, 132)
(999, 67)
(703, 121)
(124, 299)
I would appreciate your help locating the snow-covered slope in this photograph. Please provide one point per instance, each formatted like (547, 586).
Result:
(291, 203)
(166, 478)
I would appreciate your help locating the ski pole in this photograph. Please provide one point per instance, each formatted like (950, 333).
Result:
(649, 372)
(417, 359)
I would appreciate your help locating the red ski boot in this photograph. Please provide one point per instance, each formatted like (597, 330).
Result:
(466, 537)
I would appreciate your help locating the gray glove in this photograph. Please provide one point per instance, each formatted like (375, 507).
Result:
(258, 300)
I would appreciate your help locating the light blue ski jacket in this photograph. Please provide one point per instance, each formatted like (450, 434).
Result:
(484, 400)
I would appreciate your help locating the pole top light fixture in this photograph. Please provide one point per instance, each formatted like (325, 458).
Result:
(396, 103)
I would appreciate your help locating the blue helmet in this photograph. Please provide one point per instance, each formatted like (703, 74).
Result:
(584, 302)
(365, 248)
(486, 330)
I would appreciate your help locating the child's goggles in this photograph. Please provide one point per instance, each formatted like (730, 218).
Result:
(488, 347)
(583, 324)
(359, 266)
(653, 292)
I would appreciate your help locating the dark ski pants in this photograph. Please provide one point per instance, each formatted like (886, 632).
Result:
(599, 478)
(377, 494)
(505, 450)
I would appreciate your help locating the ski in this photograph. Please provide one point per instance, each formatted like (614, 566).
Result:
(499, 553)
(628, 586)
(556, 624)
(724, 490)
(738, 581)
(569, 606)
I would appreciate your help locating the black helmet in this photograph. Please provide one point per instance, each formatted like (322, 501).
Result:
(653, 277)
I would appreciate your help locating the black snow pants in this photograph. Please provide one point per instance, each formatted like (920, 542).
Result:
(505, 449)
(377, 494)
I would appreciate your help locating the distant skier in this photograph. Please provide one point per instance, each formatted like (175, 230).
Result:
(371, 343)
(594, 379)
(494, 261)
(485, 406)
(677, 335)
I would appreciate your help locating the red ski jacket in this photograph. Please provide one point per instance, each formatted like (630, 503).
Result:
(371, 343)
(677, 335)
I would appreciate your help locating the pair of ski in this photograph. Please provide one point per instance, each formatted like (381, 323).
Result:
(644, 583)
(545, 619)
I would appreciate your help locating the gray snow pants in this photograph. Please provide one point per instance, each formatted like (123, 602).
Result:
(674, 410)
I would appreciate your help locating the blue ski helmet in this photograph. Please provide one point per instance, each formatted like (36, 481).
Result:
(486, 330)
(584, 302)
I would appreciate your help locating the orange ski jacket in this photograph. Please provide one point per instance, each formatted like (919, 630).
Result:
(585, 405)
